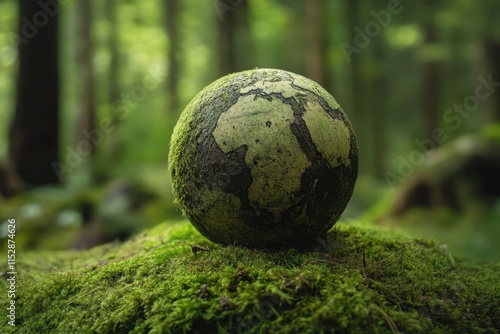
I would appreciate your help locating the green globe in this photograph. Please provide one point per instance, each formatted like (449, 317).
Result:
(263, 158)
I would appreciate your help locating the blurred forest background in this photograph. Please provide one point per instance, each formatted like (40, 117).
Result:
(90, 92)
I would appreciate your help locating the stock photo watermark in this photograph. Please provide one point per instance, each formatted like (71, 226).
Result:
(371, 29)
(11, 274)
(120, 109)
(454, 117)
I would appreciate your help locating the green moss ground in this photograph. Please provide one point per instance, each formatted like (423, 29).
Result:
(366, 280)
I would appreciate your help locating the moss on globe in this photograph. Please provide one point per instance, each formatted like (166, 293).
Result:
(263, 158)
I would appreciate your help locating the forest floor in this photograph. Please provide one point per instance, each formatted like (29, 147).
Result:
(171, 279)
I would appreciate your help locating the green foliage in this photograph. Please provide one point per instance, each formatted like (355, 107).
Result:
(170, 279)
(491, 132)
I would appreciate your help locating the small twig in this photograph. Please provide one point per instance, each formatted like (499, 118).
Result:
(196, 248)
(390, 322)
(402, 249)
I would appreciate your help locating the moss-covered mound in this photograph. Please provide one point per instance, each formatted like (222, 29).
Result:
(170, 279)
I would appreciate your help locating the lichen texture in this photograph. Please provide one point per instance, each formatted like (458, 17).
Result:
(169, 279)
(263, 158)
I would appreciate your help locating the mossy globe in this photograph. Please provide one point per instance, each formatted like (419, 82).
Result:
(263, 158)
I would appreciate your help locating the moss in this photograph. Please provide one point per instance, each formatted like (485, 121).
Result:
(170, 279)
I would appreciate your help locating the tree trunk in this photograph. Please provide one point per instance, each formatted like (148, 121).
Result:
(34, 132)
(431, 81)
(113, 74)
(225, 41)
(171, 15)
(314, 53)
(114, 151)
(430, 95)
(493, 56)
(245, 53)
(359, 108)
(234, 43)
(379, 98)
(87, 121)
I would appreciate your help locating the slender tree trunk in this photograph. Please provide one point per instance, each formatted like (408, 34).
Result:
(34, 132)
(452, 91)
(314, 53)
(87, 111)
(171, 16)
(359, 109)
(225, 41)
(245, 53)
(493, 56)
(113, 74)
(431, 81)
(379, 98)
(431, 91)
(234, 43)
(115, 149)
